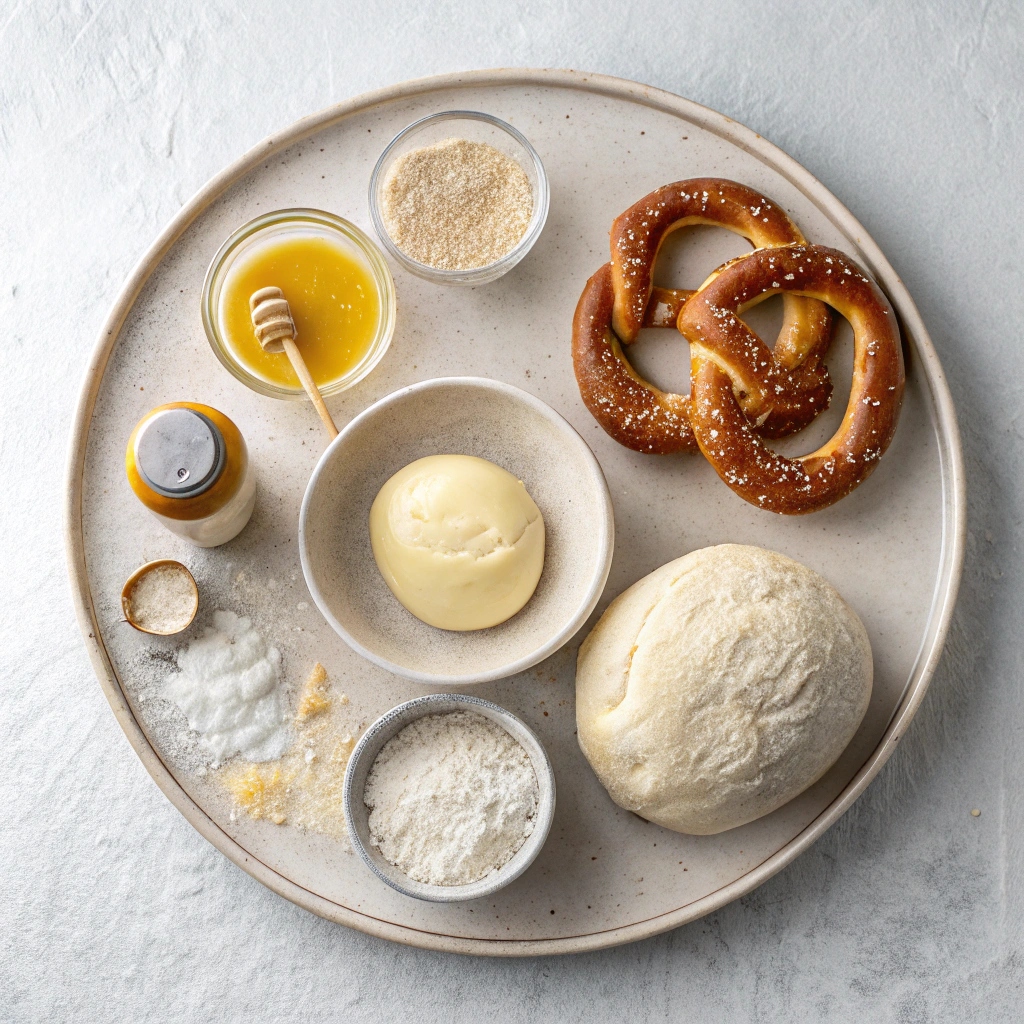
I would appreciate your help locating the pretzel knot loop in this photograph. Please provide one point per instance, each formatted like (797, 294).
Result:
(741, 390)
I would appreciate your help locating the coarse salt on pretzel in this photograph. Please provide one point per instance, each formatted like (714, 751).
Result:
(638, 235)
(621, 298)
(635, 413)
(727, 361)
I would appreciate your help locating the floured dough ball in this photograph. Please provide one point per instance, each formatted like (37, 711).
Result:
(719, 687)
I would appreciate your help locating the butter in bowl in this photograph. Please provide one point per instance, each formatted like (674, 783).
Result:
(383, 606)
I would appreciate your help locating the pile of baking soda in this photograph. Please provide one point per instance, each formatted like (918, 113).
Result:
(228, 685)
(285, 768)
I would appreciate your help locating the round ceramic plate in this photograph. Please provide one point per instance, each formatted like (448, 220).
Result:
(893, 548)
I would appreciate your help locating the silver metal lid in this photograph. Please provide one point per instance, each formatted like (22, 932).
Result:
(180, 453)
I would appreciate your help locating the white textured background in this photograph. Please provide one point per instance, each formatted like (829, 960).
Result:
(112, 114)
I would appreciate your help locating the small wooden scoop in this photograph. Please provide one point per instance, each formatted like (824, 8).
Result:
(275, 331)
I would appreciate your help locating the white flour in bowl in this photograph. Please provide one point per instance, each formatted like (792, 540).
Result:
(452, 798)
(228, 685)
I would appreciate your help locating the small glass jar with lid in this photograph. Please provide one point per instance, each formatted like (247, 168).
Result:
(189, 465)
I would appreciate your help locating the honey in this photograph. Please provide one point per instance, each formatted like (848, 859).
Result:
(333, 297)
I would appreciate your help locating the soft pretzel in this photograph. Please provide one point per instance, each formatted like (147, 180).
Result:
(621, 298)
(734, 384)
(637, 414)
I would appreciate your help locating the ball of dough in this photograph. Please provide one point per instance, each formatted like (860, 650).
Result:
(459, 541)
(719, 687)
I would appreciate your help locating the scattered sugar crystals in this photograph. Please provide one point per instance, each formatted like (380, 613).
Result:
(303, 787)
(280, 756)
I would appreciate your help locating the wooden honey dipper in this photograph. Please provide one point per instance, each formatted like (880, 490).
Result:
(275, 331)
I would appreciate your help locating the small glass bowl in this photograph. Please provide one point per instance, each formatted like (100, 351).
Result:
(476, 127)
(308, 222)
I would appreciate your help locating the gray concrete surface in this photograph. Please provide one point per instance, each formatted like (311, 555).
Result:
(111, 115)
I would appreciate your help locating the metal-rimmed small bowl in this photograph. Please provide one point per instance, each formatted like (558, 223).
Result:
(357, 815)
(299, 221)
(476, 127)
(144, 570)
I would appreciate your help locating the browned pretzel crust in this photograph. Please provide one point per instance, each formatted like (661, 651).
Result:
(637, 414)
(620, 298)
(638, 234)
(731, 389)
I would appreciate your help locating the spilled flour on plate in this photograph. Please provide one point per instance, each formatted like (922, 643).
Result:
(228, 685)
(303, 787)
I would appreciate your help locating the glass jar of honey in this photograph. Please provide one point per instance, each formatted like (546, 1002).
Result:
(189, 465)
(339, 289)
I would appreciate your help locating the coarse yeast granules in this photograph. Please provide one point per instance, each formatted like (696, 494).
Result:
(456, 205)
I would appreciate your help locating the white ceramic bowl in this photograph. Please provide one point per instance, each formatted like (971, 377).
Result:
(477, 127)
(466, 416)
(392, 723)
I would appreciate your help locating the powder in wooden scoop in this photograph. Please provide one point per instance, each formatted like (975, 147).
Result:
(163, 600)
(456, 205)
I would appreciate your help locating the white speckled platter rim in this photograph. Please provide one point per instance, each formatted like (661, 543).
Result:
(943, 417)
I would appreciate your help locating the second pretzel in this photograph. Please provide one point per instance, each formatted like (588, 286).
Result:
(741, 390)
